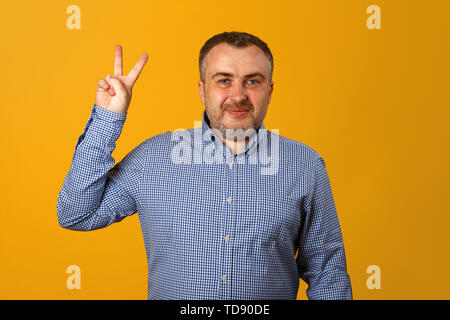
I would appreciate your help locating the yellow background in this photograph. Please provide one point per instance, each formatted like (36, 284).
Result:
(374, 103)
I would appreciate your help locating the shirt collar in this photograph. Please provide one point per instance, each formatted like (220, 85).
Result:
(210, 135)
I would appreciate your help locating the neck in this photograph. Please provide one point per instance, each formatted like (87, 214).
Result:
(236, 145)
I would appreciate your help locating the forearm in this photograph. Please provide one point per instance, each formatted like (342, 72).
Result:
(81, 198)
(321, 260)
(325, 271)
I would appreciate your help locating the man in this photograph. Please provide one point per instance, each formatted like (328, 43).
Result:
(220, 219)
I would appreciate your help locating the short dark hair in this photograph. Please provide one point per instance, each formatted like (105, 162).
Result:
(236, 39)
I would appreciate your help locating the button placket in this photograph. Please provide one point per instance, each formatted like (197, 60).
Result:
(230, 161)
(229, 214)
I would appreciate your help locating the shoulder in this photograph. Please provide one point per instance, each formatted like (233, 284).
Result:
(157, 145)
(297, 150)
(159, 140)
(161, 146)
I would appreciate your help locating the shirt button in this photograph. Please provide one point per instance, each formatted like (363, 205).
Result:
(227, 238)
(230, 165)
(224, 278)
(229, 199)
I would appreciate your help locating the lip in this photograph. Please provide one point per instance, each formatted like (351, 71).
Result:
(238, 113)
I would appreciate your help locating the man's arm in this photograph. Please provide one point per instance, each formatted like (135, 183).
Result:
(94, 193)
(321, 256)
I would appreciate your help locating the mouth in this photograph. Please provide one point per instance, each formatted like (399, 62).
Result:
(239, 113)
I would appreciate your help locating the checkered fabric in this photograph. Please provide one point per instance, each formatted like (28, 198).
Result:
(216, 225)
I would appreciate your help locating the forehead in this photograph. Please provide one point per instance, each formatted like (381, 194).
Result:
(239, 61)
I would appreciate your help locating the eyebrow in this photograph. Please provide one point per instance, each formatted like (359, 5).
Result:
(226, 74)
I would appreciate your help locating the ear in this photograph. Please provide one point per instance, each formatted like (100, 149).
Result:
(270, 91)
(201, 90)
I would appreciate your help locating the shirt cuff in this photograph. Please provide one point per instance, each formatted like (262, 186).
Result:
(106, 124)
(108, 115)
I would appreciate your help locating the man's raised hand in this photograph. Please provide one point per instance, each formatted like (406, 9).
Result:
(114, 92)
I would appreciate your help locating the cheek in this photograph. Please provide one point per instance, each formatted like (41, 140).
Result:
(215, 98)
(258, 101)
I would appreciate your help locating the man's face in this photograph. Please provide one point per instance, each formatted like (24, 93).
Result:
(237, 88)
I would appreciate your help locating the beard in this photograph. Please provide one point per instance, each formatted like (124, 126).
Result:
(237, 131)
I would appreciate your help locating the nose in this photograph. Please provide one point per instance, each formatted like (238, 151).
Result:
(238, 94)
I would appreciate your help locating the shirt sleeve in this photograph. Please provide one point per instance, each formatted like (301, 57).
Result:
(321, 256)
(95, 193)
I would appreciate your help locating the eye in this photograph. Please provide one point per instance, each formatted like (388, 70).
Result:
(255, 81)
(221, 81)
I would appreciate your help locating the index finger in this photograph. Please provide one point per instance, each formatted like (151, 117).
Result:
(137, 69)
(118, 61)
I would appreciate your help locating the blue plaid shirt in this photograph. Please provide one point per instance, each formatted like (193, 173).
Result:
(216, 225)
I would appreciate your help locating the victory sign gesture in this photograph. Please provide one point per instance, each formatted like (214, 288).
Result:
(114, 92)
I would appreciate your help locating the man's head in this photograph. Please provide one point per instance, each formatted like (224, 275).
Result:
(235, 80)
